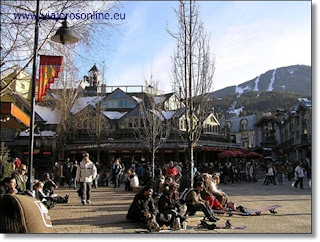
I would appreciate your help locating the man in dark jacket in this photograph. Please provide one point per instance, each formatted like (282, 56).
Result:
(170, 207)
(143, 209)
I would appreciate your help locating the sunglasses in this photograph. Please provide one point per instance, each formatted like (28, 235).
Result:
(24, 169)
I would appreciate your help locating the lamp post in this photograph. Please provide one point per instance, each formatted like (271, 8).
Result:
(65, 36)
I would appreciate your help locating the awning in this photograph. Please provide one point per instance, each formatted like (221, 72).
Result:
(13, 116)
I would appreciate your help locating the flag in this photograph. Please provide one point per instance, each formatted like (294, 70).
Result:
(50, 66)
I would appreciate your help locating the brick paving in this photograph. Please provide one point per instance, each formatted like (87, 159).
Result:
(107, 213)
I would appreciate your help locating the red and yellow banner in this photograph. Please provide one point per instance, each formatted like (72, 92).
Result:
(50, 66)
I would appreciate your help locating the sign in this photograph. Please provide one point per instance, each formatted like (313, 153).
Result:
(50, 66)
(46, 153)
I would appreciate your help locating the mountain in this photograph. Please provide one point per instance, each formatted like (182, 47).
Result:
(252, 102)
(295, 79)
(281, 88)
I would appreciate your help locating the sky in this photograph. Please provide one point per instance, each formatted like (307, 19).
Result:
(247, 38)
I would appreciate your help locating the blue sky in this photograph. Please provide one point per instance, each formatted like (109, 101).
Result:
(248, 38)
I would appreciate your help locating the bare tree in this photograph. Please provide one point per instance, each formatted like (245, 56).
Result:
(64, 95)
(154, 129)
(17, 29)
(193, 69)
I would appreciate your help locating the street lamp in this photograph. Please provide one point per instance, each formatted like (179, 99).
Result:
(65, 36)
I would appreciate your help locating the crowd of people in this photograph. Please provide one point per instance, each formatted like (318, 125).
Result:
(174, 200)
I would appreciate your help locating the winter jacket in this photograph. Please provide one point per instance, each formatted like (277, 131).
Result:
(168, 201)
(140, 205)
(86, 171)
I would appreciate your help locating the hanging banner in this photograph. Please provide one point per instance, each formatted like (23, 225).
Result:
(50, 66)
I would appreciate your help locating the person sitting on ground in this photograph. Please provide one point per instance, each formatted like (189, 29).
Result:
(170, 208)
(196, 203)
(49, 201)
(49, 185)
(8, 186)
(208, 195)
(127, 181)
(21, 178)
(134, 180)
(213, 188)
(143, 209)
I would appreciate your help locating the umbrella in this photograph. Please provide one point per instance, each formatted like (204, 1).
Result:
(254, 154)
(227, 154)
(239, 153)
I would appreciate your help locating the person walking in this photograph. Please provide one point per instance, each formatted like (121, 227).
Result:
(86, 173)
(300, 174)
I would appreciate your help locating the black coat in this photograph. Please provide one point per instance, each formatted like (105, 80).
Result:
(139, 206)
(165, 203)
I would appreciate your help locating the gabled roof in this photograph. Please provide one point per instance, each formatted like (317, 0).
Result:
(51, 116)
(163, 98)
(133, 98)
(94, 68)
(236, 123)
(83, 102)
(214, 117)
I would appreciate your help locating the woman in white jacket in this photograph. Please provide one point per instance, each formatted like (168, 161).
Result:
(86, 173)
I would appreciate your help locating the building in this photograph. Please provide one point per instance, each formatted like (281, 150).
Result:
(296, 132)
(242, 130)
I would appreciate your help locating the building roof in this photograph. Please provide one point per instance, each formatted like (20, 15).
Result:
(236, 123)
(51, 116)
(94, 68)
(83, 102)
(114, 114)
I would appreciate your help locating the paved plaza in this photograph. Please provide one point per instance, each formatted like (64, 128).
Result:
(107, 213)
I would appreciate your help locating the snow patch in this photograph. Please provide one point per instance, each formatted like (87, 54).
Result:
(240, 90)
(139, 100)
(236, 111)
(160, 99)
(270, 88)
(114, 114)
(42, 133)
(256, 84)
(284, 87)
(51, 116)
(83, 102)
(168, 114)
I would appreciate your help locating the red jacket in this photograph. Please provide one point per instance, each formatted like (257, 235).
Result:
(171, 171)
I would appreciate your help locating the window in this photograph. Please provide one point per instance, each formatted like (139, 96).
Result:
(244, 124)
(122, 125)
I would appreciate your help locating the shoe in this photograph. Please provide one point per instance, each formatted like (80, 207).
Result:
(83, 202)
(89, 201)
(212, 219)
(66, 198)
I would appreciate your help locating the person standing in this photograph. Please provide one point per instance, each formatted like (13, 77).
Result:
(96, 180)
(86, 173)
(74, 174)
(300, 174)
(116, 173)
